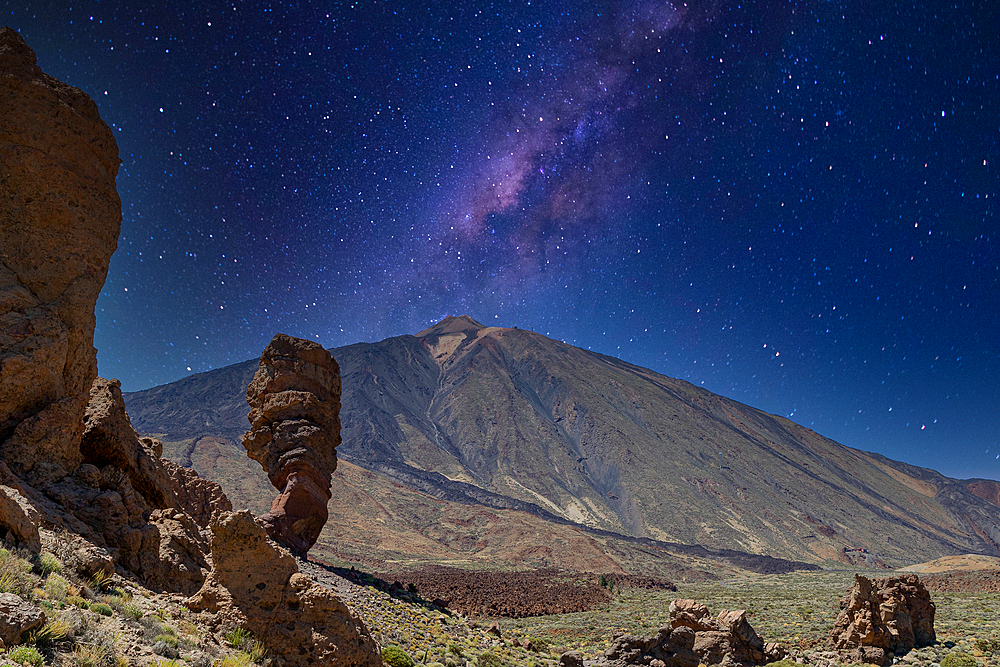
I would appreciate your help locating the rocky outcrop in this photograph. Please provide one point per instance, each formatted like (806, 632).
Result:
(201, 498)
(109, 439)
(692, 638)
(294, 429)
(882, 618)
(256, 584)
(59, 220)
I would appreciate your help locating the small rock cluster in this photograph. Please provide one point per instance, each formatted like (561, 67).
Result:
(693, 637)
(883, 618)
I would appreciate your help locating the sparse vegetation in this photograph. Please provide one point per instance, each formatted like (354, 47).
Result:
(958, 659)
(26, 655)
(102, 609)
(396, 657)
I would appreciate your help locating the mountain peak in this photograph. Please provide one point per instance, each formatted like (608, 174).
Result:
(452, 325)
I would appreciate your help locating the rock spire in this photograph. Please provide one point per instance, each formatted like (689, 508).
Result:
(294, 429)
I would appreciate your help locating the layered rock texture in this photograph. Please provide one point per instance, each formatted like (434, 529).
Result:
(59, 220)
(693, 637)
(256, 584)
(294, 429)
(882, 618)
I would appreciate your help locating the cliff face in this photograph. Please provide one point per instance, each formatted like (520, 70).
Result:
(59, 220)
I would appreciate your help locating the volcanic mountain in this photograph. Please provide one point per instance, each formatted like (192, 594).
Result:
(508, 419)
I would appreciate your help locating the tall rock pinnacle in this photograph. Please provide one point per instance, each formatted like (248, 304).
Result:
(59, 220)
(294, 429)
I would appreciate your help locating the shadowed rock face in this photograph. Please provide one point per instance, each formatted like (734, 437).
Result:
(59, 220)
(294, 431)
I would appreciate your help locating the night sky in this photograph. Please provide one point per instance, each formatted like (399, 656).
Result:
(793, 204)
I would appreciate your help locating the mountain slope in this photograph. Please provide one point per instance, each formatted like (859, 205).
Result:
(597, 441)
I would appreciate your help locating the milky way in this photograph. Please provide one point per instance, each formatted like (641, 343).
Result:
(789, 203)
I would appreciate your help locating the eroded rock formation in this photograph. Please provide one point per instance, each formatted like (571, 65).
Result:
(256, 584)
(70, 460)
(692, 638)
(59, 220)
(882, 618)
(294, 429)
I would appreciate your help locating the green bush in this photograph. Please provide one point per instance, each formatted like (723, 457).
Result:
(56, 587)
(77, 601)
(988, 645)
(490, 659)
(782, 663)
(238, 637)
(47, 564)
(397, 657)
(958, 659)
(168, 639)
(102, 609)
(26, 655)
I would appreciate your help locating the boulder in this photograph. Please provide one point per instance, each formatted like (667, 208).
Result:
(255, 584)
(17, 616)
(16, 523)
(59, 219)
(294, 429)
(882, 618)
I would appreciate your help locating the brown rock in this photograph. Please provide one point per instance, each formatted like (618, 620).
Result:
(255, 584)
(183, 548)
(694, 637)
(691, 614)
(883, 617)
(294, 429)
(109, 439)
(17, 616)
(59, 218)
(201, 498)
(571, 659)
(15, 520)
(673, 647)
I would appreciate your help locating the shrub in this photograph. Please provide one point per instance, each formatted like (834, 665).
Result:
(77, 601)
(15, 574)
(48, 564)
(237, 637)
(238, 660)
(991, 645)
(101, 608)
(100, 581)
(51, 632)
(958, 659)
(26, 655)
(131, 610)
(168, 639)
(89, 655)
(56, 587)
(782, 663)
(490, 659)
(397, 657)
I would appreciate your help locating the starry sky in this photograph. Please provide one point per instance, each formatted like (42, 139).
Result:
(790, 203)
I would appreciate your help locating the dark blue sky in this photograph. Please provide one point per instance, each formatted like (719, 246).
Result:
(789, 203)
